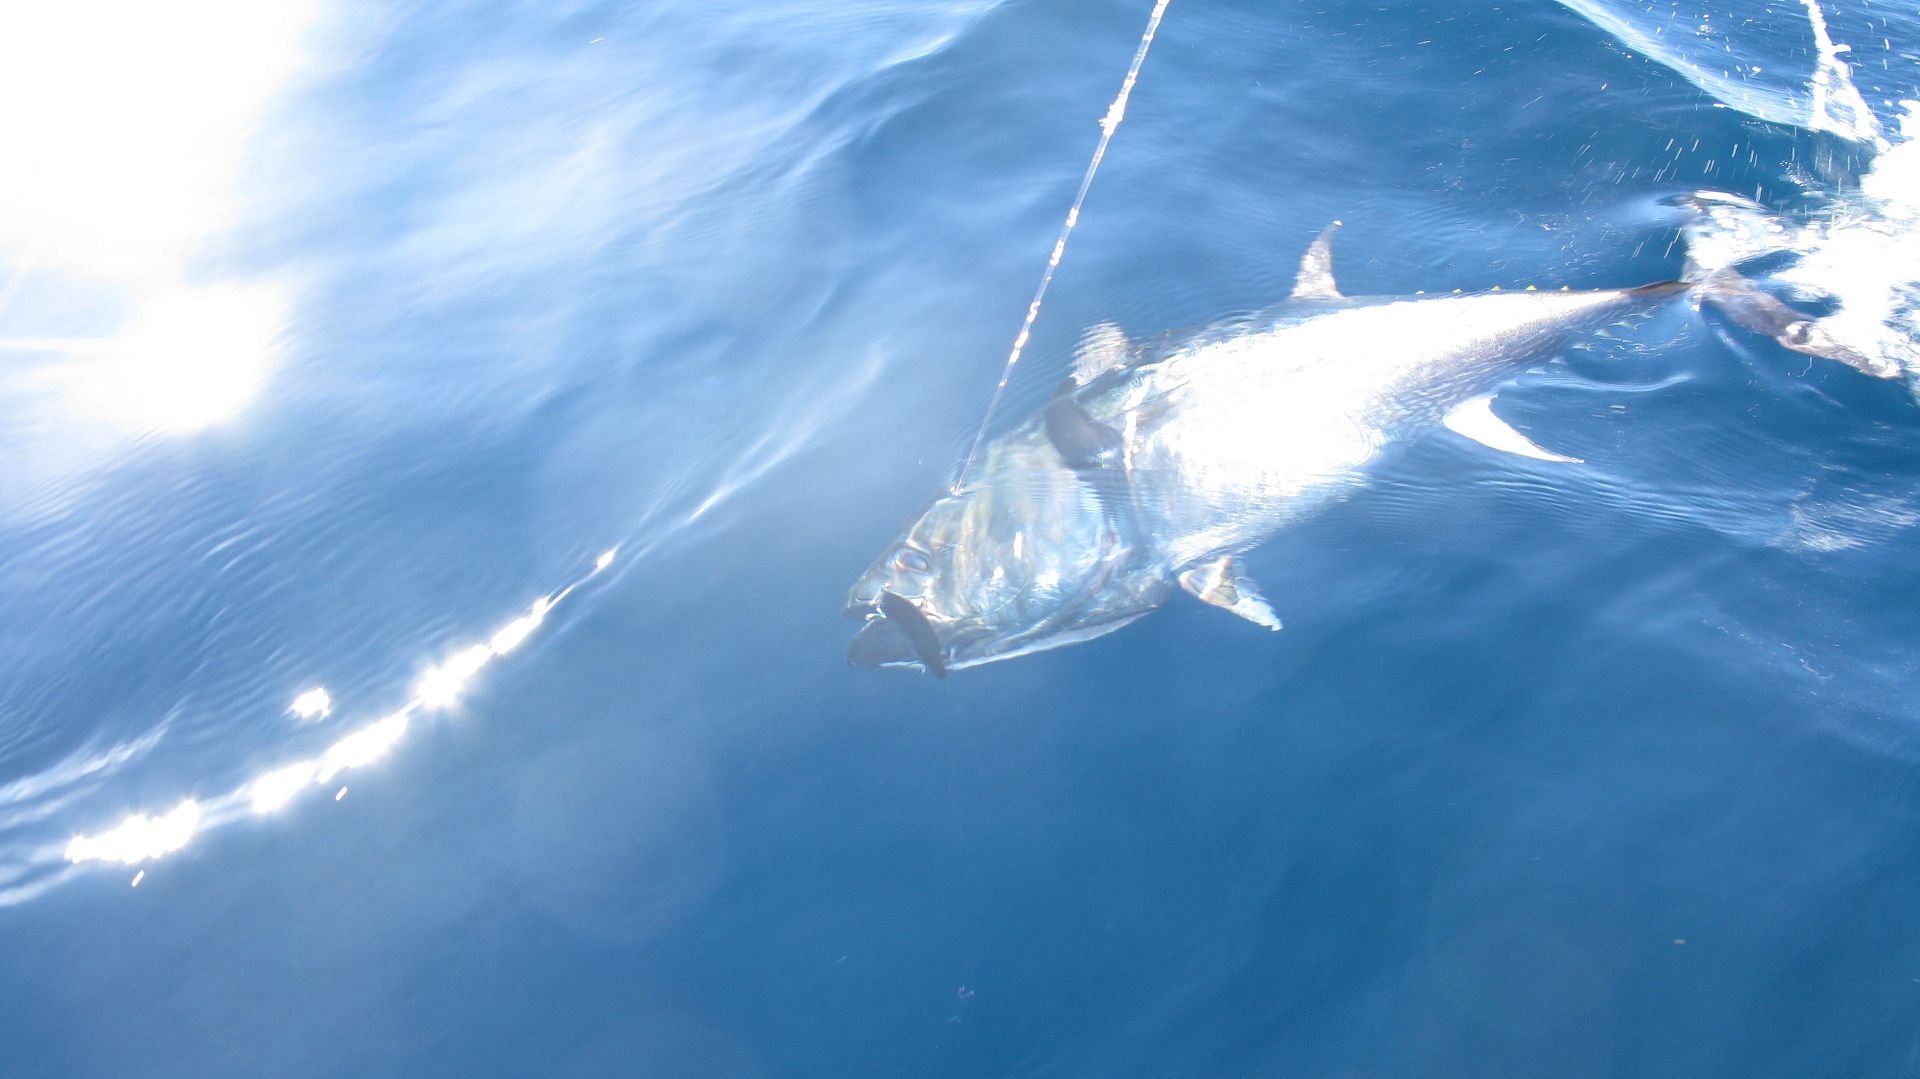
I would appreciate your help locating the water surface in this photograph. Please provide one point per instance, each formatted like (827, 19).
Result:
(342, 340)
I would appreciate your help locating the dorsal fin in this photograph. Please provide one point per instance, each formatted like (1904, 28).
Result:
(1102, 348)
(1316, 269)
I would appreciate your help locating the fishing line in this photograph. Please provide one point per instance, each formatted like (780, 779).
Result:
(1108, 124)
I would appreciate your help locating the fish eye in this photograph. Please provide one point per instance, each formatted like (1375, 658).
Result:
(908, 560)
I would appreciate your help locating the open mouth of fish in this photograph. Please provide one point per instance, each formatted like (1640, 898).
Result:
(897, 633)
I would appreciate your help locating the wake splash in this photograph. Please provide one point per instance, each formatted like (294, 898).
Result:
(1851, 249)
(1733, 59)
(1860, 250)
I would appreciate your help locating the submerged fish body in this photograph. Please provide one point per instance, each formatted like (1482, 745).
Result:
(1150, 471)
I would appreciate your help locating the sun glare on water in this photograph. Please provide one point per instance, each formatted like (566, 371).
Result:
(140, 837)
(190, 358)
(144, 838)
(125, 164)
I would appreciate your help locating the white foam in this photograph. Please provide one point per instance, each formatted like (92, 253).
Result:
(1837, 105)
(1860, 251)
(1735, 62)
(1856, 249)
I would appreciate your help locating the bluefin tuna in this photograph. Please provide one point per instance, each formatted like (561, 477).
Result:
(1152, 469)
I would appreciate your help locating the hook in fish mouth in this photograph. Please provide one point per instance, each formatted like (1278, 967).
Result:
(897, 633)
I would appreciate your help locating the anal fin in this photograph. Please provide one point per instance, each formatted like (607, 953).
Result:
(1473, 418)
(1221, 584)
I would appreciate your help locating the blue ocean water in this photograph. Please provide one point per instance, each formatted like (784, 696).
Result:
(618, 340)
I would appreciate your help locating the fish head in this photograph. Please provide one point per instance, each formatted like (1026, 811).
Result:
(1007, 565)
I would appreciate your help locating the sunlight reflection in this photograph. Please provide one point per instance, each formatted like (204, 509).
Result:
(510, 635)
(126, 184)
(111, 194)
(441, 687)
(139, 838)
(364, 746)
(191, 357)
(313, 704)
(275, 789)
(142, 838)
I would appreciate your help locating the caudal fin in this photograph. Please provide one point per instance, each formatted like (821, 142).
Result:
(1723, 232)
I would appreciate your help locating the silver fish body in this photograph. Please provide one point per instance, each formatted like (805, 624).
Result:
(1151, 471)
(1238, 433)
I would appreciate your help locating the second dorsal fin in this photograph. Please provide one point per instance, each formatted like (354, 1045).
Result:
(1316, 269)
(1102, 348)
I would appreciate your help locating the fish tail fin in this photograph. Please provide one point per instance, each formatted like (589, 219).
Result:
(1725, 232)
(1722, 230)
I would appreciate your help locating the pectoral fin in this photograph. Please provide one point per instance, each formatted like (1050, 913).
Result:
(1221, 584)
(912, 624)
(1082, 441)
(1474, 419)
(1316, 269)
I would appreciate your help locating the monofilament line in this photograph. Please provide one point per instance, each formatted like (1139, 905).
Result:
(1108, 124)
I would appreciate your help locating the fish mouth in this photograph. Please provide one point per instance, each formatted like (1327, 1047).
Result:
(897, 634)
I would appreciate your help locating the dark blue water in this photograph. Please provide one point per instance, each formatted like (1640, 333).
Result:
(1609, 769)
